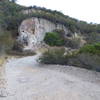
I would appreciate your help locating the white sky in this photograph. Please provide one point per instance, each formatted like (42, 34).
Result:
(87, 10)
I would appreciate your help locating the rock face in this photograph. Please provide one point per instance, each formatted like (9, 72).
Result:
(32, 31)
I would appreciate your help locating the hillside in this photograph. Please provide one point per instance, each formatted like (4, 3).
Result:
(12, 17)
(40, 52)
(8, 23)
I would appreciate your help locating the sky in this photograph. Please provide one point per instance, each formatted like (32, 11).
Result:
(86, 10)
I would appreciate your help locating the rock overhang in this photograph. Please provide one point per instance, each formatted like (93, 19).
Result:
(32, 31)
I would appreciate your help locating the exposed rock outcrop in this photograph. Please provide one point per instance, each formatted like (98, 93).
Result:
(32, 31)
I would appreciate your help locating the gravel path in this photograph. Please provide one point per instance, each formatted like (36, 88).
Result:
(25, 79)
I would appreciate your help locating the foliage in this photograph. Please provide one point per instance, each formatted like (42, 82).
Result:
(73, 43)
(53, 39)
(85, 60)
(9, 21)
(88, 57)
(6, 41)
(58, 17)
(9, 15)
(91, 48)
(92, 37)
(17, 47)
(54, 56)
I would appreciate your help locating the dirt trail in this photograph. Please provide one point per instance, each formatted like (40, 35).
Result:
(25, 79)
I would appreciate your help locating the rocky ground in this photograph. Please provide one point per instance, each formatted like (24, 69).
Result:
(26, 79)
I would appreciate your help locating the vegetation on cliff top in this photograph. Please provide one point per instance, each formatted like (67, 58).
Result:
(58, 17)
(11, 16)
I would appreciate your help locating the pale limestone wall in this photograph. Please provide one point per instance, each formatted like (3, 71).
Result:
(32, 31)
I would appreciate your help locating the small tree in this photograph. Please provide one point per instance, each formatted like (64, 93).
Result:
(54, 39)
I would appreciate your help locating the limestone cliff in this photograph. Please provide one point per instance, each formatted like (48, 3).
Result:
(32, 31)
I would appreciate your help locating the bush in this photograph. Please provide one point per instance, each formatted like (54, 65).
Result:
(57, 55)
(54, 56)
(88, 57)
(85, 60)
(91, 48)
(92, 37)
(17, 47)
(53, 39)
(6, 40)
(73, 43)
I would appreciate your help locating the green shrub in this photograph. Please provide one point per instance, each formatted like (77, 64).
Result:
(57, 56)
(53, 39)
(6, 40)
(73, 43)
(91, 48)
(83, 59)
(92, 37)
(17, 47)
(54, 56)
